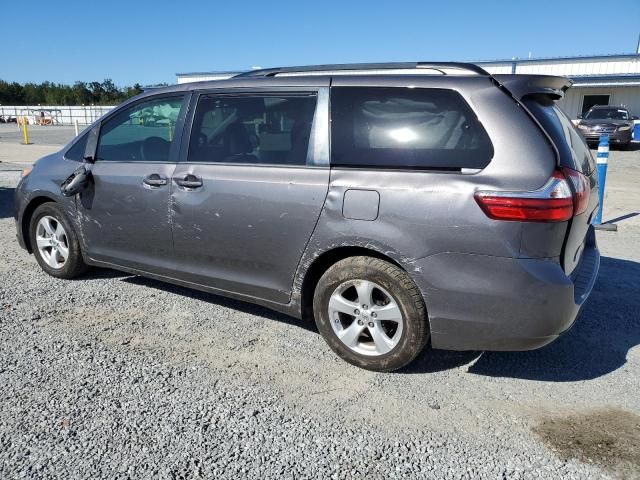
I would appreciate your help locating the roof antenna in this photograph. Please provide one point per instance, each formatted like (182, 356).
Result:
(638, 47)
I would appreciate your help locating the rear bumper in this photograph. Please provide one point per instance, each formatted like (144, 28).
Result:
(478, 302)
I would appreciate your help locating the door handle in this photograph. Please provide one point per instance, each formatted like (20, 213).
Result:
(155, 180)
(189, 181)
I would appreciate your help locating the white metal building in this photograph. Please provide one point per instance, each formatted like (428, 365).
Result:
(598, 80)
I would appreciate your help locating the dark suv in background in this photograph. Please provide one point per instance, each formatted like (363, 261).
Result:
(396, 204)
(616, 122)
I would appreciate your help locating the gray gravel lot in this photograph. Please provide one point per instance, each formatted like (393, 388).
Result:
(117, 376)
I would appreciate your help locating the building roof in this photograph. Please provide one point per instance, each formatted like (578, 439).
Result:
(564, 58)
(214, 72)
(614, 80)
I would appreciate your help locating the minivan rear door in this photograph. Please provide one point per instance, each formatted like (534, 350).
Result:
(574, 154)
(250, 187)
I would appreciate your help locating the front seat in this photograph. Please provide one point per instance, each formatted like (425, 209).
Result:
(237, 145)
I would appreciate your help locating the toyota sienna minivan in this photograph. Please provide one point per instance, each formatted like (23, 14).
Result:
(396, 204)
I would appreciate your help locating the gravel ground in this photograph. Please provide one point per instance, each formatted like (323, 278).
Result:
(117, 376)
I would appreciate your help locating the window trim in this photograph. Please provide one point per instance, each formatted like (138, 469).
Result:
(85, 133)
(175, 144)
(322, 104)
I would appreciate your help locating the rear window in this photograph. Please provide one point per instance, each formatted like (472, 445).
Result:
(403, 128)
(574, 152)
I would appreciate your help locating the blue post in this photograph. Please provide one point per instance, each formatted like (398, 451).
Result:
(602, 160)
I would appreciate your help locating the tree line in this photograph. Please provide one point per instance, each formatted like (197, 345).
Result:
(80, 93)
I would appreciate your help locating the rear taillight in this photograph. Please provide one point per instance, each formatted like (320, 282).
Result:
(581, 189)
(554, 202)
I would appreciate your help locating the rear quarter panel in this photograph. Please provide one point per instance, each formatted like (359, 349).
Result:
(425, 213)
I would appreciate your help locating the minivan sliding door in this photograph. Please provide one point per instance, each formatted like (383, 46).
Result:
(251, 187)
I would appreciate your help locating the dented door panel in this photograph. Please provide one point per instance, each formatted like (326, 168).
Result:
(245, 229)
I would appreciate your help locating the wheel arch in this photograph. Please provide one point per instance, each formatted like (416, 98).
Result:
(28, 214)
(323, 262)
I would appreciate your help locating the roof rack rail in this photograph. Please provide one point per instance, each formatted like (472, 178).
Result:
(439, 66)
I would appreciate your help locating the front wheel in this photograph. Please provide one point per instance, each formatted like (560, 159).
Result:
(371, 313)
(55, 244)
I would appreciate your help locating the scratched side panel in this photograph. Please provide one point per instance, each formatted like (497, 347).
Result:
(420, 214)
(245, 230)
(124, 221)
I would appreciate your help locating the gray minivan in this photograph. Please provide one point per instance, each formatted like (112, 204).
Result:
(397, 204)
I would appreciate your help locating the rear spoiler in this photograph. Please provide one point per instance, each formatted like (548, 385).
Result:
(521, 86)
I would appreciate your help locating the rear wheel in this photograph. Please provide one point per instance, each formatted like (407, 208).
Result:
(371, 313)
(55, 244)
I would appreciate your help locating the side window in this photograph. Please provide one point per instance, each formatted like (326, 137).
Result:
(76, 152)
(143, 132)
(265, 129)
(396, 127)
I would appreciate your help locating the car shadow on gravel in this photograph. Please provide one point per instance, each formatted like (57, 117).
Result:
(102, 273)
(245, 307)
(6, 202)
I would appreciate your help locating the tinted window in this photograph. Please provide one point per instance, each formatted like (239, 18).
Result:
(267, 129)
(143, 132)
(406, 128)
(574, 152)
(76, 152)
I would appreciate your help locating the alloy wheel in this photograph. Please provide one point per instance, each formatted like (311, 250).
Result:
(365, 317)
(52, 242)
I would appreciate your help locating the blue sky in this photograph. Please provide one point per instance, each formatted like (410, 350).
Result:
(149, 41)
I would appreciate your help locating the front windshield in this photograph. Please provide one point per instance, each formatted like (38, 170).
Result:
(607, 114)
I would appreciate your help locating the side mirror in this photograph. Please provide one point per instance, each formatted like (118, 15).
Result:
(579, 116)
(635, 117)
(76, 182)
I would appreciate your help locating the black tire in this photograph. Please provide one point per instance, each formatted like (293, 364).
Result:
(74, 264)
(405, 293)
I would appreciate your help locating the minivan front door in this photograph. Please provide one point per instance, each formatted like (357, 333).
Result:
(249, 193)
(124, 214)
